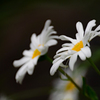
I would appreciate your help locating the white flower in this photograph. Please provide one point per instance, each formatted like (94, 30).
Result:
(77, 47)
(39, 46)
(65, 90)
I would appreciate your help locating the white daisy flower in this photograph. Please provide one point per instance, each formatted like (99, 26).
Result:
(77, 47)
(88, 30)
(39, 46)
(65, 90)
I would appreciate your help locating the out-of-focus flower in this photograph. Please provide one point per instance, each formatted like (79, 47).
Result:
(3, 97)
(65, 90)
(77, 47)
(39, 46)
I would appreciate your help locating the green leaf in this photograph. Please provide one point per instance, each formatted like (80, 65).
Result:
(88, 91)
(84, 85)
(91, 93)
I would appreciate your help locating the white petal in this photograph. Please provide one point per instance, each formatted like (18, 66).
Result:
(81, 55)
(32, 46)
(28, 53)
(63, 49)
(90, 25)
(78, 37)
(21, 73)
(47, 23)
(55, 67)
(55, 60)
(72, 61)
(98, 28)
(86, 50)
(34, 40)
(67, 45)
(30, 68)
(21, 61)
(86, 39)
(80, 30)
(51, 42)
(60, 54)
(44, 31)
(63, 37)
(35, 60)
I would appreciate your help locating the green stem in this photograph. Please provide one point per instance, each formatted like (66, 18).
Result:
(69, 78)
(65, 74)
(48, 58)
(93, 65)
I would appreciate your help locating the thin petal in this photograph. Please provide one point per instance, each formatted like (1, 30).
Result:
(35, 60)
(28, 53)
(67, 45)
(55, 60)
(34, 38)
(21, 74)
(54, 37)
(30, 68)
(47, 24)
(32, 46)
(72, 61)
(63, 49)
(80, 30)
(60, 54)
(51, 42)
(90, 25)
(21, 61)
(86, 50)
(81, 55)
(55, 67)
(86, 39)
(63, 37)
(98, 28)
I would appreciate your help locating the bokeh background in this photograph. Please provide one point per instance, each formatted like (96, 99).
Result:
(18, 20)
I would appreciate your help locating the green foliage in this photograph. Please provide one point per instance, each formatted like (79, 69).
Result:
(88, 91)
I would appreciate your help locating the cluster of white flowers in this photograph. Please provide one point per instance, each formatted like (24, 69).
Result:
(71, 50)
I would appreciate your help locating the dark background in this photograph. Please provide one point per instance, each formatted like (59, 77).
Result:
(18, 20)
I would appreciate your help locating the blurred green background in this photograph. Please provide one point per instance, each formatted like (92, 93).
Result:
(18, 20)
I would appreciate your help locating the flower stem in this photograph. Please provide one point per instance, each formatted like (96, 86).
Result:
(65, 74)
(48, 58)
(93, 65)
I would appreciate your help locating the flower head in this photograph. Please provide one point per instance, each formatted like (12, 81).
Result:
(76, 47)
(65, 90)
(39, 46)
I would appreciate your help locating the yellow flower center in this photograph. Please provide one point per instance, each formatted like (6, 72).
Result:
(36, 53)
(70, 86)
(78, 46)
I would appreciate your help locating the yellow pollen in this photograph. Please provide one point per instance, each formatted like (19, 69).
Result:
(40, 45)
(36, 53)
(70, 86)
(78, 46)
